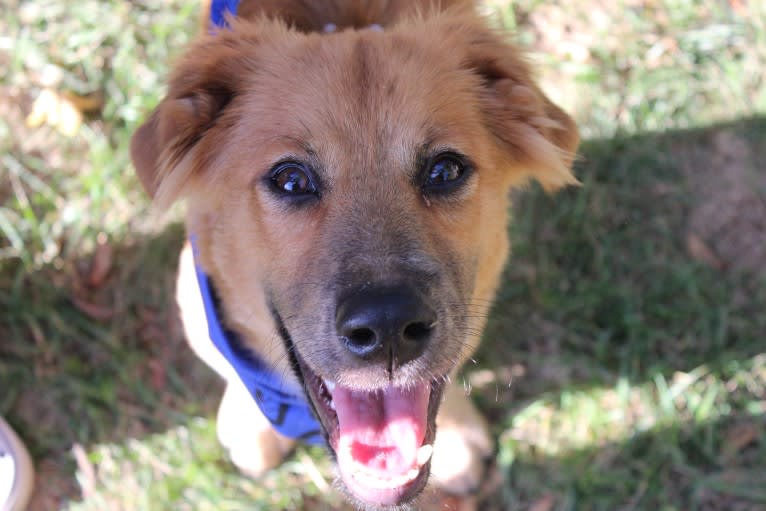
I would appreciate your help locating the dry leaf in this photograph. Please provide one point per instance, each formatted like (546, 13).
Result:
(440, 500)
(87, 471)
(701, 252)
(97, 312)
(455, 503)
(739, 6)
(157, 374)
(63, 111)
(545, 503)
(739, 436)
(101, 263)
(87, 104)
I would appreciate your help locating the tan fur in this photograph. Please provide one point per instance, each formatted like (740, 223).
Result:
(363, 103)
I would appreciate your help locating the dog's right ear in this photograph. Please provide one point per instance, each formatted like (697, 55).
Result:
(169, 149)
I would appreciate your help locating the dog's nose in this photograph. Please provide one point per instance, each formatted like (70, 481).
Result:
(385, 324)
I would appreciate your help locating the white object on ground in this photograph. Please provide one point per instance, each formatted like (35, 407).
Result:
(16, 471)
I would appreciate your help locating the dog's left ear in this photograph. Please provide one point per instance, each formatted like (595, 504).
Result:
(535, 136)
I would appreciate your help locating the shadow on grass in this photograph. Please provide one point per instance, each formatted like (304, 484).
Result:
(611, 321)
(604, 282)
(86, 365)
(601, 290)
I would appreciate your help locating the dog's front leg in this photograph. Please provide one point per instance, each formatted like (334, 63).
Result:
(462, 444)
(253, 445)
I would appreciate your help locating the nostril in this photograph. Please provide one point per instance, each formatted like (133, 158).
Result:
(362, 339)
(417, 331)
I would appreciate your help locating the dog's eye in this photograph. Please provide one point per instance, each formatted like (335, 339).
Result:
(293, 178)
(444, 170)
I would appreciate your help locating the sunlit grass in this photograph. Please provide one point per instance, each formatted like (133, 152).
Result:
(687, 443)
(630, 67)
(595, 417)
(63, 190)
(185, 468)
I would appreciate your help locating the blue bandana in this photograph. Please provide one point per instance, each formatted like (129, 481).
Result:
(288, 412)
(219, 9)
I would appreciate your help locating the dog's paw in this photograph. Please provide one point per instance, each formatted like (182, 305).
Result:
(253, 445)
(462, 444)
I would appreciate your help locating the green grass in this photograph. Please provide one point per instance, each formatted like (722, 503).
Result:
(635, 356)
(619, 371)
(183, 469)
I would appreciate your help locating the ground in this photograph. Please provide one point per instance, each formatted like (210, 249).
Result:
(624, 365)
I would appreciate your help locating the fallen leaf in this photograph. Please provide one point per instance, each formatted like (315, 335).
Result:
(738, 436)
(63, 111)
(701, 252)
(545, 503)
(101, 263)
(738, 6)
(157, 375)
(151, 334)
(95, 311)
(88, 104)
(440, 500)
(87, 472)
(455, 503)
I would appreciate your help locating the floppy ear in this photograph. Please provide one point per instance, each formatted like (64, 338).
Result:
(533, 134)
(169, 149)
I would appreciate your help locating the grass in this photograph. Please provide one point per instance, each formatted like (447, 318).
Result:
(620, 369)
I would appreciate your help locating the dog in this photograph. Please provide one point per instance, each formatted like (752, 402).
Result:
(346, 167)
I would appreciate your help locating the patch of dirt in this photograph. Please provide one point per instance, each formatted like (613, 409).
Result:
(54, 486)
(728, 211)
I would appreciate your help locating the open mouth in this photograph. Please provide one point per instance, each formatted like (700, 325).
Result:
(382, 439)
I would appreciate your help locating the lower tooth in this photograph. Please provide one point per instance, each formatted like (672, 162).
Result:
(424, 454)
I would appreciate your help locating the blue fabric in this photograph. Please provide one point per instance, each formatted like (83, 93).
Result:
(289, 413)
(218, 10)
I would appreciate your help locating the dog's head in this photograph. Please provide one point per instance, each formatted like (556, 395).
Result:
(351, 190)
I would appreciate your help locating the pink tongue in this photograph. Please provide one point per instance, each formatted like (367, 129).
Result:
(380, 431)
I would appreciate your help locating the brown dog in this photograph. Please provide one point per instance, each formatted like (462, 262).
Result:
(348, 197)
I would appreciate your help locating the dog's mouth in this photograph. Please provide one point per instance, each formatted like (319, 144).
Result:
(382, 439)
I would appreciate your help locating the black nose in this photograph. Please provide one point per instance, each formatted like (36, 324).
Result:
(385, 324)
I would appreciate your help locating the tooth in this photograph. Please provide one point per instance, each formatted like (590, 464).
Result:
(332, 404)
(329, 384)
(424, 454)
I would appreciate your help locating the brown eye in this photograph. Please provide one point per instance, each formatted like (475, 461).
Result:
(444, 171)
(293, 178)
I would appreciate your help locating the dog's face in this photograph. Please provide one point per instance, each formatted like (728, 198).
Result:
(349, 194)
